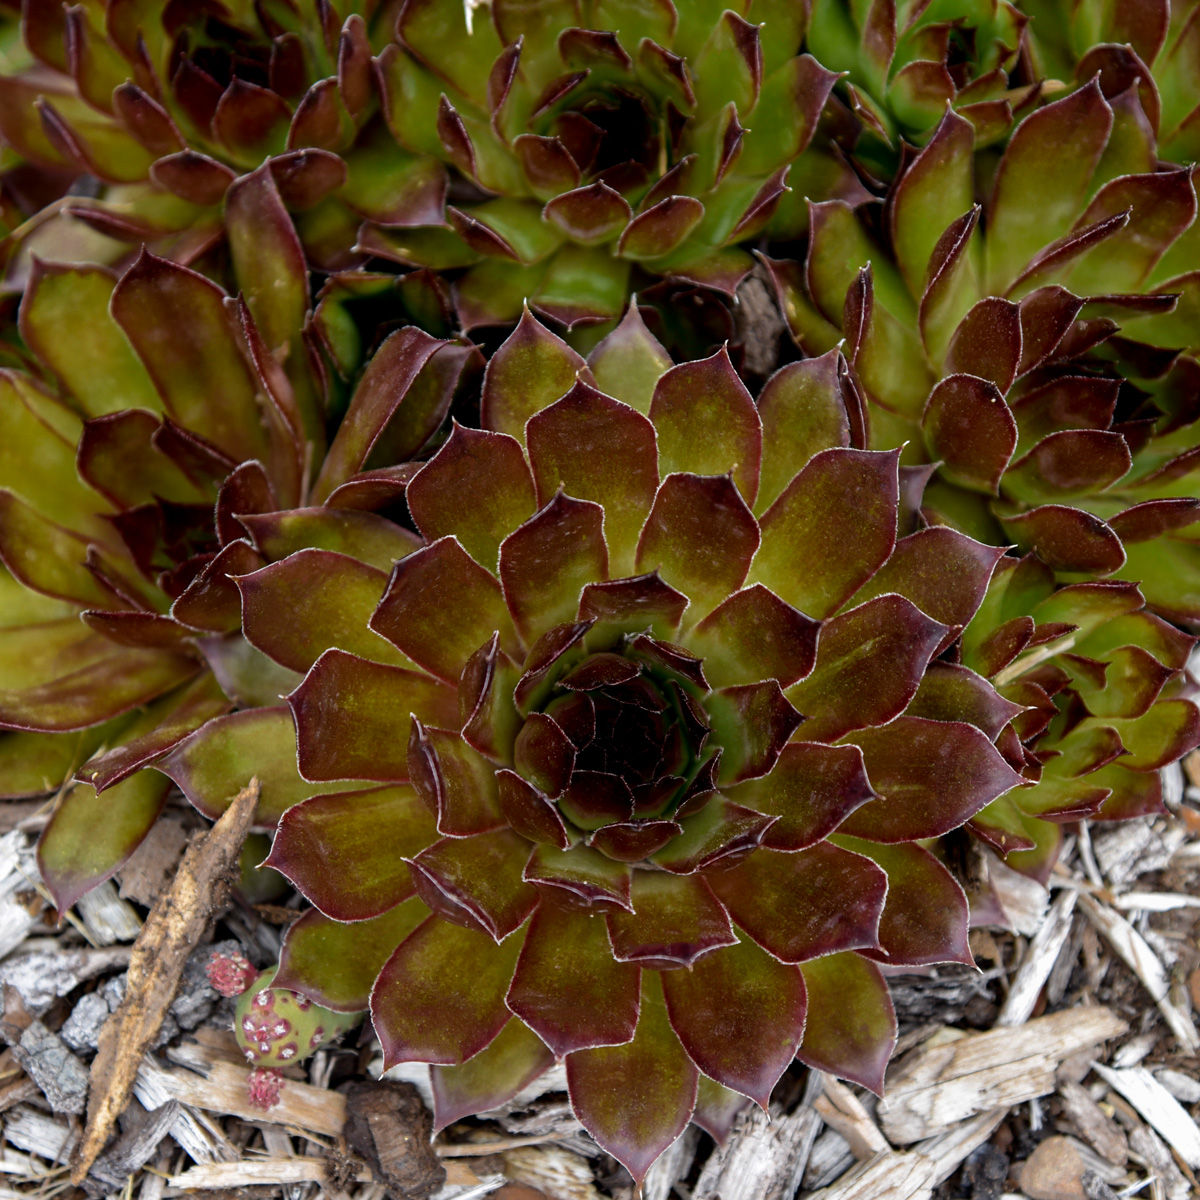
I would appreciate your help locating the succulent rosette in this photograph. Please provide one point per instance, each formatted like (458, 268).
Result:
(165, 107)
(634, 761)
(598, 143)
(1103, 702)
(1154, 46)
(1040, 347)
(905, 63)
(153, 447)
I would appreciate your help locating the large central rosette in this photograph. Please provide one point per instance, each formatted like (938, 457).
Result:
(659, 723)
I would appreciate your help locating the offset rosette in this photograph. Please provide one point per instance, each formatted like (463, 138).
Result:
(1041, 348)
(1152, 46)
(586, 142)
(1104, 698)
(905, 64)
(167, 110)
(142, 465)
(642, 748)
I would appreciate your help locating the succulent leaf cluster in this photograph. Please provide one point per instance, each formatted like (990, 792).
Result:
(590, 140)
(1040, 346)
(663, 778)
(604, 712)
(147, 463)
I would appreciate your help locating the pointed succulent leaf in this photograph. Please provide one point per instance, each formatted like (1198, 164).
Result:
(806, 904)
(580, 875)
(454, 779)
(830, 530)
(634, 604)
(754, 635)
(213, 764)
(440, 997)
(851, 1029)
(636, 1099)
(701, 536)
(970, 429)
(64, 319)
(949, 692)
(179, 327)
(803, 413)
(629, 362)
(925, 915)
(335, 963)
(157, 729)
(717, 1109)
(296, 609)
(987, 344)
(479, 877)
(90, 837)
(414, 617)
(1067, 539)
(597, 449)
(940, 570)
(931, 776)
(568, 988)
(63, 676)
(531, 370)
(362, 535)
(331, 848)
(676, 921)
(870, 662)
(378, 400)
(1051, 157)
(812, 789)
(529, 813)
(546, 563)
(707, 423)
(936, 190)
(477, 487)
(353, 717)
(740, 1015)
(493, 1077)
(752, 723)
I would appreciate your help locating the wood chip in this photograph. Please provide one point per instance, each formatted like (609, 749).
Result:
(256, 1171)
(152, 865)
(42, 977)
(560, 1173)
(938, 1086)
(1144, 963)
(1105, 1136)
(389, 1125)
(195, 1133)
(1158, 1106)
(1039, 961)
(842, 1110)
(223, 1090)
(171, 932)
(106, 917)
(764, 1159)
(132, 1150)
(913, 1174)
(1023, 900)
(61, 1077)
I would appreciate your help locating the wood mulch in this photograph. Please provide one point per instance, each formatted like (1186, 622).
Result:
(1066, 1068)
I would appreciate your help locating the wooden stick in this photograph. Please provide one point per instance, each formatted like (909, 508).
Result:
(173, 929)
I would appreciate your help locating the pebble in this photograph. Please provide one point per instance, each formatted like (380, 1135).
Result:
(1054, 1171)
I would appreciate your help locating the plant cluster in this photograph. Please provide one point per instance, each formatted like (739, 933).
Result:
(362, 431)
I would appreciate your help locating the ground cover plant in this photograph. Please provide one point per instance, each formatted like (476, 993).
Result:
(605, 710)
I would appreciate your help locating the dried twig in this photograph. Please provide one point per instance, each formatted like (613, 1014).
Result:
(171, 932)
